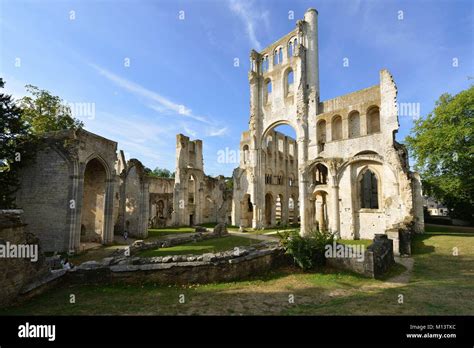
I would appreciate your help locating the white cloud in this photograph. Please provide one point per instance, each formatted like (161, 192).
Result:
(251, 17)
(155, 101)
(216, 132)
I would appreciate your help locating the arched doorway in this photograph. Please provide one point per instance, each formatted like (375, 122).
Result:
(192, 200)
(279, 165)
(93, 202)
(246, 211)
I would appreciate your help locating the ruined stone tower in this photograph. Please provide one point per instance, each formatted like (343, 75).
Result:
(352, 176)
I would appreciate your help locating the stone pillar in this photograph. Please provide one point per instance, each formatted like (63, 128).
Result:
(75, 245)
(335, 209)
(303, 182)
(75, 210)
(109, 212)
(284, 210)
(255, 217)
(320, 213)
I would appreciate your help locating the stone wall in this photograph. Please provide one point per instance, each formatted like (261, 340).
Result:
(44, 197)
(57, 197)
(378, 258)
(16, 273)
(239, 263)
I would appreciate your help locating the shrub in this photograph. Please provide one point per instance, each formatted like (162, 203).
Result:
(307, 251)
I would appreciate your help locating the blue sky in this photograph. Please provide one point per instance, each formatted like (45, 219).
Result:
(181, 76)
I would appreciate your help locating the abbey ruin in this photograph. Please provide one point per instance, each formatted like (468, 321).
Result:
(344, 172)
(79, 190)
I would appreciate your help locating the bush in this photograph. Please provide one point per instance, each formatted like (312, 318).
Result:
(307, 251)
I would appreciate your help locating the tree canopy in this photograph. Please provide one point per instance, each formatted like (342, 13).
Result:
(442, 145)
(20, 125)
(16, 146)
(161, 173)
(45, 112)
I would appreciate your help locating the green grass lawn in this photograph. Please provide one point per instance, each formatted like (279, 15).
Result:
(441, 284)
(160, 232)
(201, 247)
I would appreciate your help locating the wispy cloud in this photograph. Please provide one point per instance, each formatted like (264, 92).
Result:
(189, 131)
(250, 16)
(155, 101)
(216, 132)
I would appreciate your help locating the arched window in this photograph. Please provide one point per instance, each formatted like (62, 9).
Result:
(275, 57)
(373, 120)
(291, 180)
(321, 134)
(269, 144)
(336, 128)
(245, 150)
(369, 190)
(290, 49)
(354, 124)
(264, 64)
(289, 81)
(191, 189)
(320, 174)
(268, 90)
(280, 55)
(268, 178)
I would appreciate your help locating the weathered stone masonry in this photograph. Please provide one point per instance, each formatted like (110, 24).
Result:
(352, 176)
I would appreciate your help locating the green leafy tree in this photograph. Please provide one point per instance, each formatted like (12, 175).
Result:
(16, 148)
(45, 112)
(162, 173)
(442, 145)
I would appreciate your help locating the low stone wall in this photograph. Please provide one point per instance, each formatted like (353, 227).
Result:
(17, 273)
(378, 258)
(401, 236)
(239, 263)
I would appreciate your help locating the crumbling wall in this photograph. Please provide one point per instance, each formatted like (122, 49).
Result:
(135, 199)
(16, 273)
(44, 196)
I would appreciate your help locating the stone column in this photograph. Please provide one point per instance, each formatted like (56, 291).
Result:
(76, 242)
(320, 212)
(335, 209)
(109, 211)
(74, 209)
(303, 183)
(255, 217)
(284, 210)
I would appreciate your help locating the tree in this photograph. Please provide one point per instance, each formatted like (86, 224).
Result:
(442, 146)
(45, 112)
(161, 173)
(16, 147)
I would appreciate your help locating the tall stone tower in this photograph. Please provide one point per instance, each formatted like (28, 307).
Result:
(284, 89)
(189, 178)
